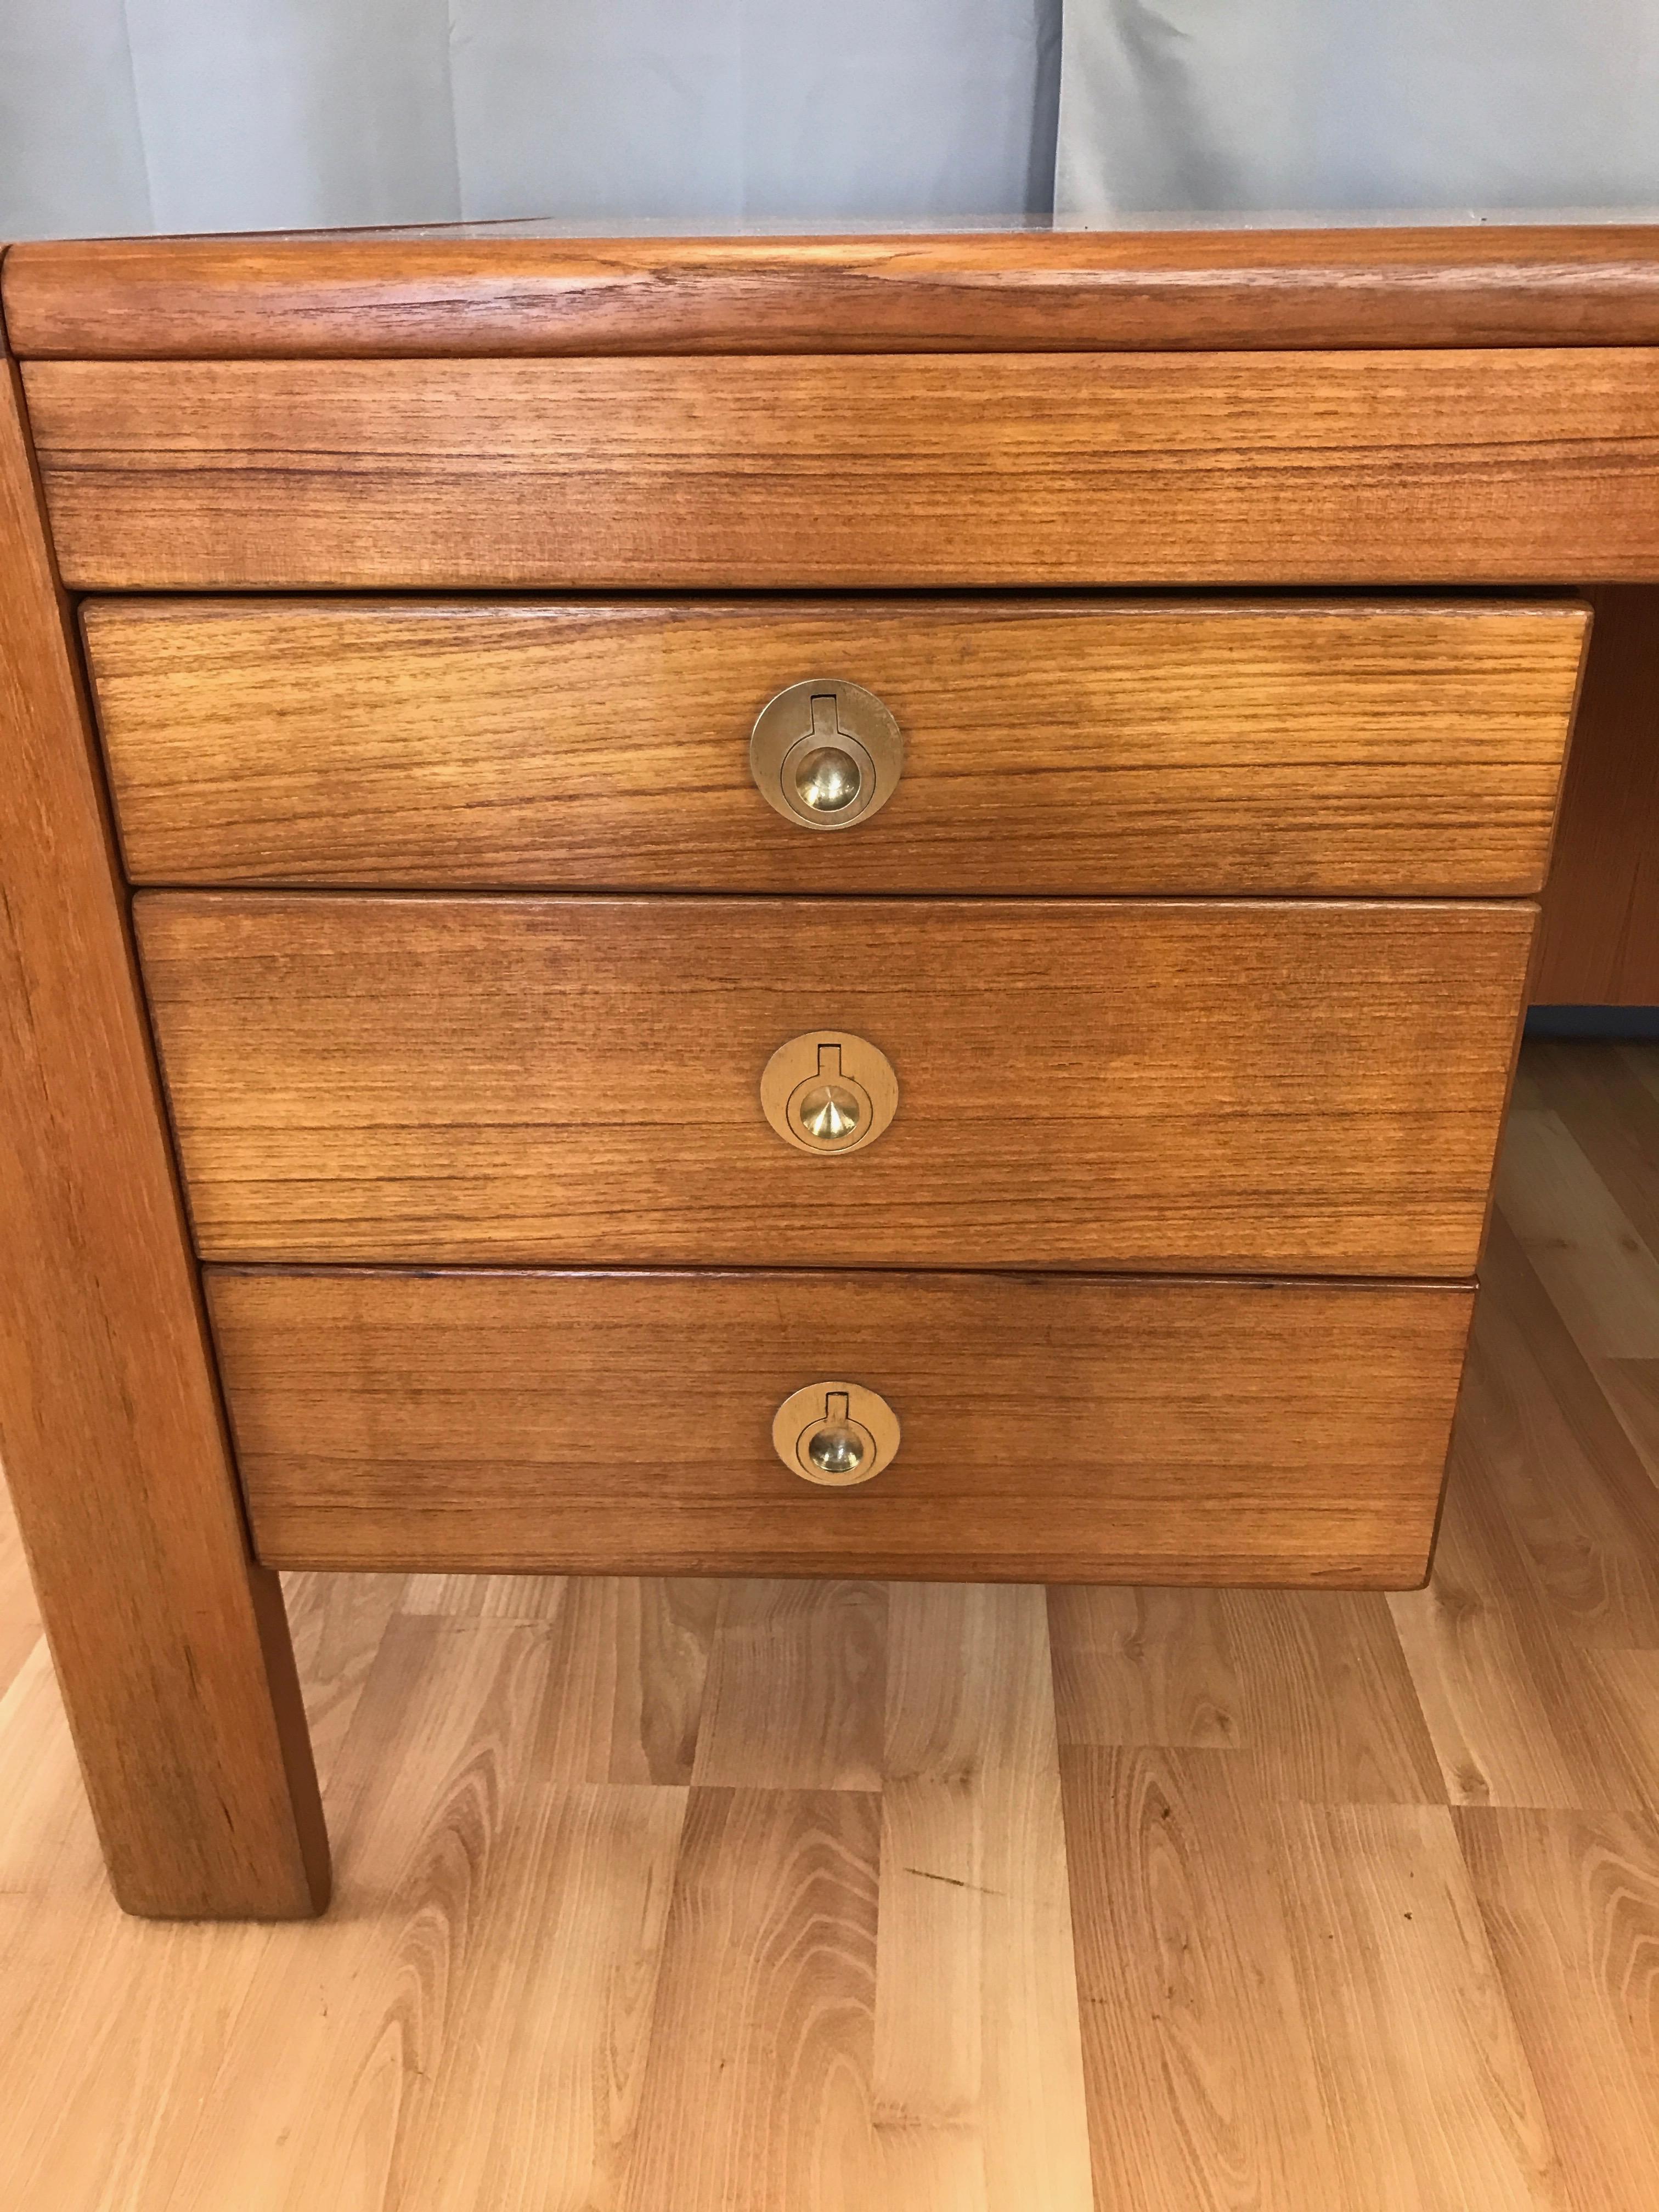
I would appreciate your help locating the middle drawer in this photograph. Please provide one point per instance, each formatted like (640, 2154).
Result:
(1303, 1086)
(1072, 744)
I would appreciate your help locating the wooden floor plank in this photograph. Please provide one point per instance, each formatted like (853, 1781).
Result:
(1602, 1276)
(1631, 1388)
(1145, 1666)
(757, 2088)
(1571, 1903)
(629, 1662)
(1287, 2005)
(1202, 2088)
(1632, 1678)
(126, 2032)
(1643, 1062)
(68, 1968)
(20, 1621)
(337, 1622)
(1427, 2093)
(1513, 1705)
(796, 1687)
(484, 1597)
(1310, 1683)
(48, 1848)
(633, 1654)
(1329, 1712)
(1571, 1481)
(1603, 1103)
(322, 2095)
(978, 2055)
(534, 2103)
(1527, 1092)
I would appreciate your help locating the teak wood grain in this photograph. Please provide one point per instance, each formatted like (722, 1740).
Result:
(1362, 468)
(502, 289)
(1599, 940)
(1065, 745)
(1302, 1087)
(1301, 1983)
(1067, 1429)
(171, 1646)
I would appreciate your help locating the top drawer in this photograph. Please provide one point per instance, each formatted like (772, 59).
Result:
(1062, 745)
(1442, 465)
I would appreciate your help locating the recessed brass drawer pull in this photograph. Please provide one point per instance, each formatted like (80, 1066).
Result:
(826, 753)
(829, 1092)
(836, 1434)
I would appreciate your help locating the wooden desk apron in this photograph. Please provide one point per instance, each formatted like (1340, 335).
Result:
(801, 907)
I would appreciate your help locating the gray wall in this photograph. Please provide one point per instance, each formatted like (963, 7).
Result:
(134, 115)
(1357, 105)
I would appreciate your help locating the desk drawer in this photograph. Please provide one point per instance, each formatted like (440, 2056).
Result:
(1303, 1086)
(1051, 745)
(1057, 1428)
(1414, 466)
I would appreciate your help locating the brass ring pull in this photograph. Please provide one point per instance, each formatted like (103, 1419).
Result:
(836, 1434)
(826, 753)
(829, 1092)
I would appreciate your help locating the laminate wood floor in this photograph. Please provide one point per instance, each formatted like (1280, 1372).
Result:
(800, 1898)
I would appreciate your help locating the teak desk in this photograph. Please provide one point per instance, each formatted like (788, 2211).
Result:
(834, 906)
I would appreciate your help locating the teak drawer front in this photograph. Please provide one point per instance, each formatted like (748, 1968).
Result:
(1305, 1087)
(1054, 1428)
(1523, 465)
(1052, 745)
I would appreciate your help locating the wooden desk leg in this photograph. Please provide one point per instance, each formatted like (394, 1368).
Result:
(171, 1646)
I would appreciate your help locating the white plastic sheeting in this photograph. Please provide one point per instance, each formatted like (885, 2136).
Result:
(1338, 105)
(131, 115)
(179, 115)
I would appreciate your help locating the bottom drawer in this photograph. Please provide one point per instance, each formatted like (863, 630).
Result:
(1055, 1428)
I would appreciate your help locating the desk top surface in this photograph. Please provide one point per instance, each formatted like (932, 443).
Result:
(1156, 283)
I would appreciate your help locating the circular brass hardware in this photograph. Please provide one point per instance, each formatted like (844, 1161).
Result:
(827, 1092)
(828, 780)
(826, 753)
(830, 1113)
(836, 1434)
(838, 1452)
